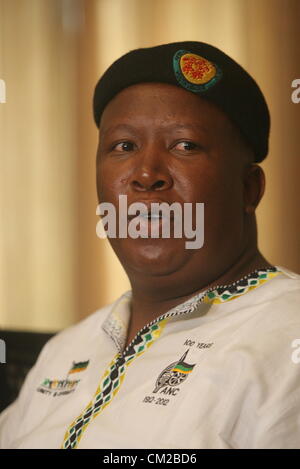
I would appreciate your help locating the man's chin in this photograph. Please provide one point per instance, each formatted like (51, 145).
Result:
(152, 256)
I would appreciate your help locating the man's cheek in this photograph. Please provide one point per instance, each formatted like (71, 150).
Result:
(108, 192)
(105, 182)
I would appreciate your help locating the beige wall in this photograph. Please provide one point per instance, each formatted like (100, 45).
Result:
(37, 167)
(53, 268)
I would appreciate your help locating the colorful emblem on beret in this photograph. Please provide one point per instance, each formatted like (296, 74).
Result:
(194, 72)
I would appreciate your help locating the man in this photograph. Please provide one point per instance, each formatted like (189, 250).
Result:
(208, 332)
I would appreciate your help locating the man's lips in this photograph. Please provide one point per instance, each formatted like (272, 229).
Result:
(151, 212)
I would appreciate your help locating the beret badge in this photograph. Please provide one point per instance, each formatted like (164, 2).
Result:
(195, 73)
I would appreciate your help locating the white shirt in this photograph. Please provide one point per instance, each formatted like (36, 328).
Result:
(222, 370)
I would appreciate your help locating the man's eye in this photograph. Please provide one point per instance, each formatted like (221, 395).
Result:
(123, 146)
(186, 146)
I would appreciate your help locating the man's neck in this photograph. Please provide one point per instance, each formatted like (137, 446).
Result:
(146, 306)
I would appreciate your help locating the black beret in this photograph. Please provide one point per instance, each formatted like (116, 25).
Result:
(199, 68)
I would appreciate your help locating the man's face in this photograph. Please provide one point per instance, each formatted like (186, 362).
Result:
(161, 143)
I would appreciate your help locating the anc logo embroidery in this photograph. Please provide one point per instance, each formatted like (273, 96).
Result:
(194, 72)
(174, 374)
(61, 387)
(166, 386)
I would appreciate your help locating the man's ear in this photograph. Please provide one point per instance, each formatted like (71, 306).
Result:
(98, 183)
(254, 187)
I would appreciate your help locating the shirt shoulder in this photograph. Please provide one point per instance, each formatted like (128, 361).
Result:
(281, 293)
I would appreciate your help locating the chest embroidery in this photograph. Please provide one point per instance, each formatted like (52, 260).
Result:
(61, 387)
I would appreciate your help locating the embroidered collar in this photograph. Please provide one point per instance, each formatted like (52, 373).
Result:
(116, 323)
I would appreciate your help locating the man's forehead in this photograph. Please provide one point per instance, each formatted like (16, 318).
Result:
(170, 127)
(161, 105)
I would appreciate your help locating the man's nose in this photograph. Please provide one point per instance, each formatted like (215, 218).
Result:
(151, 173)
